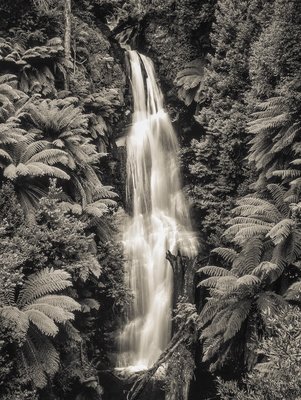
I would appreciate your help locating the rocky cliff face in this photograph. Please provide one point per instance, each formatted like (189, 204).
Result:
(172, 33)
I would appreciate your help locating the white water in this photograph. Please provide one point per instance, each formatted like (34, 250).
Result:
(159, 221)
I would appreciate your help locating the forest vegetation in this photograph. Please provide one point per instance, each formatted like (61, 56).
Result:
(230, 71)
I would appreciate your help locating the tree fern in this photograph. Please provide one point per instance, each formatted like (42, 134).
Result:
(42, 283)
(37, 313)
(58, 314)
(36, 65)
(214, 271)
(189, 81)
(269, 303)
(238, 316)
(65, 128)
(281, 231)
(39, 359)
(24, 160)
(45, 324)
(276, 127)
(229, 255)
(249, 257)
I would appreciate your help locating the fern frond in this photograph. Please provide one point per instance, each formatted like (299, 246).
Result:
(209, 282)
(268, 271)
(89, 304)
(16, 317)
(189, 79)
(42, 322)
(56, 313)
(229, 255)
(281, 231)
(210, 309)
(4, 154)
(247, 280)
(249, 257)
(238, 316)
(50, 157)
(247, 232)
(288, 173)
(33, 148)
(42, 283)
(269, 304)
(65, 302)
(278, 194)
(40, 359)
(214, 271)
(296, 183)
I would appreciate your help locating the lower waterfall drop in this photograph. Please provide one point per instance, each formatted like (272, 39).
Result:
(159, 221)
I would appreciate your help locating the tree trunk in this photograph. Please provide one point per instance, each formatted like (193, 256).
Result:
(184, 270)
(67, 39)
(181, 365)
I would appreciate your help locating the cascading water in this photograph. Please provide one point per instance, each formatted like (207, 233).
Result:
(159, 221)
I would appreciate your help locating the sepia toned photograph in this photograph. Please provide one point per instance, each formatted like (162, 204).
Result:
(150, 200)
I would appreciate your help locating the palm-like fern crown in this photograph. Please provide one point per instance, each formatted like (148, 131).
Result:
(23, 158)
(37, 314)
(56, 144)
(276, 143)
(270, 240)
(24, 161)
(33, 64)
(189, 82)
(38, 302)
(9, 95)
(66, 127)
(264, 228)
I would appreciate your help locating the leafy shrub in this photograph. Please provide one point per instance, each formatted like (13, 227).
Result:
(277, 377)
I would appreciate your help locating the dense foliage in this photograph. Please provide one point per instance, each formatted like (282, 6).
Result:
(61, 263)
(231, 72)
(278, 376)
(257, 263)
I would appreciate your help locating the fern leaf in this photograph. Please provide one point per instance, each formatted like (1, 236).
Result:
(210, 309)
(249, 257)
(16, 317)
(214, 271)
(42, 322)
(269, 304)
(210, 282)
(269, 272)
(4, 154)
(281, 231)
(50, 157)
(278, 194)
(287, 173)
(238, 316)
(34, 148)
(56, 313)
(65, 302)
(42, 283)
(247, 280)
(229, 255)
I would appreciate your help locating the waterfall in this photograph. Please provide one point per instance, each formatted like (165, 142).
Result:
(159, 220)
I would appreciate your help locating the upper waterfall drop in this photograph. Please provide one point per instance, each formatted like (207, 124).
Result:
(159, 221)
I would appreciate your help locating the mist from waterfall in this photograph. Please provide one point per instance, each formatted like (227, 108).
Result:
(159, 220)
